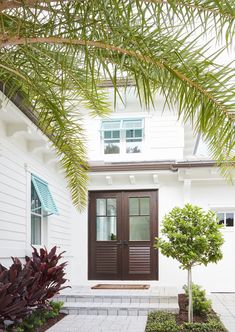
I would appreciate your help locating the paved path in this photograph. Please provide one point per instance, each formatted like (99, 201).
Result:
(224, 306)
(89, 323)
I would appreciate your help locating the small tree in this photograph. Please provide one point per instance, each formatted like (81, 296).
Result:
(191, 236)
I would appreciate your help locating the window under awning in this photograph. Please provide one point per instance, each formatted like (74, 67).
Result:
(45, 196)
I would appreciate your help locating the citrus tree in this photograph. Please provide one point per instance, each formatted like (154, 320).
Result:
(191, 236)
(56, 53)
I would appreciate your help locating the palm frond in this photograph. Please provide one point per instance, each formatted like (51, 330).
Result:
(57, 53)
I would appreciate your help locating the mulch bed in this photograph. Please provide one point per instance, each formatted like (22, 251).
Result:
(183, 313)
(49, 323)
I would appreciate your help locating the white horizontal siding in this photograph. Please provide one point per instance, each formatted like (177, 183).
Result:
(162, 131)
(16, 193)
(16, 164)
(12, 226)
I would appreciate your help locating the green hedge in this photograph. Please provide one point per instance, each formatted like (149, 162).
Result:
(166, 322)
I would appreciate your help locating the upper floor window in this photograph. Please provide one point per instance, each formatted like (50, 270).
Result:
(42, 205)
(226, 218)
(122, 136)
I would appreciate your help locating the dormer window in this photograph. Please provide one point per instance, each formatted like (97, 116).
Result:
(133, 135)
(111, 136)
(122, 136)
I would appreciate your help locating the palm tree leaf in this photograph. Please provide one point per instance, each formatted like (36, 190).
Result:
(58, 52)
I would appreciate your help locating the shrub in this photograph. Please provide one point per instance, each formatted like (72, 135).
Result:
(48, 276)
(201, 306)
(166, 322)
(13, 291)
(212, 325)
(24, 287)
(161, 322)
(38, 318)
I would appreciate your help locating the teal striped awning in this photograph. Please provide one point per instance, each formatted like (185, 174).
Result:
(45, 196)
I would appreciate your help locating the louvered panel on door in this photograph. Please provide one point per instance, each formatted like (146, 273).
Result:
(106, 258)
(139, 260)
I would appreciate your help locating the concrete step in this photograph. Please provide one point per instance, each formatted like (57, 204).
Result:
(82, 300)
(117, 309)
(152, 295)
(119, 298)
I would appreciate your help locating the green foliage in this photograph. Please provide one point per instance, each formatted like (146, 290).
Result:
(161, 322)
(201, 306)
(166, 322)
(39, 317)
(212, 325)
(57, 54)
(191, 236)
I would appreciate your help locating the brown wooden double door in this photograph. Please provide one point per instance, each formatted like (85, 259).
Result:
(122, 228)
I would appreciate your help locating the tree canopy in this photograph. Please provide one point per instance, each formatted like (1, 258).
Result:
(57, 52)
(192, 237)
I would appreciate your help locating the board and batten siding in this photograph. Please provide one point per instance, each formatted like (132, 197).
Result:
(17, 163)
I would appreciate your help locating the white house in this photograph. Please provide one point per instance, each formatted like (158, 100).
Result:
(142, 164)
(29, 169)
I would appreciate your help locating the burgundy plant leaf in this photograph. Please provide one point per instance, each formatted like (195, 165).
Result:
(24, 287)
(52, 252)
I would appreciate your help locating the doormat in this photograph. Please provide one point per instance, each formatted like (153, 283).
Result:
(120, 286)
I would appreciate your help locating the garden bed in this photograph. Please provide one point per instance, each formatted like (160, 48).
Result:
(167, 322)
(40, 320)
(182, 317)
(49, 323)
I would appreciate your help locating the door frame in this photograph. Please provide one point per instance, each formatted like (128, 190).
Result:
(91, 206)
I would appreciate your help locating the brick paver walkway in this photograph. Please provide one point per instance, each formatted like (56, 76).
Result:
(89, 323)
(224, 306)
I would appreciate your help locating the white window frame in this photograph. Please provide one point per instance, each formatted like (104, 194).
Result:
(224, 211)
(44, 223)
(122, 136)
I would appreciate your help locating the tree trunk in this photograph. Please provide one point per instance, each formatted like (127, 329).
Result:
(190, 296)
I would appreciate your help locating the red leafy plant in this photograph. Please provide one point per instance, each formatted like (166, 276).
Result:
(24, 287)
(48, 274)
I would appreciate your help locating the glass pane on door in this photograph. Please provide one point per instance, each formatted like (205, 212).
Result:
(139, 228)
(106, 219)
(139, 219)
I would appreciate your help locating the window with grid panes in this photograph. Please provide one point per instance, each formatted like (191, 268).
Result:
(122, 136)
(226, 218)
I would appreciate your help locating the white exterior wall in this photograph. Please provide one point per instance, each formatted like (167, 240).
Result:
(220, 195)
(23, 152)
(165, 139)
(163, 133)
(173, 191)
